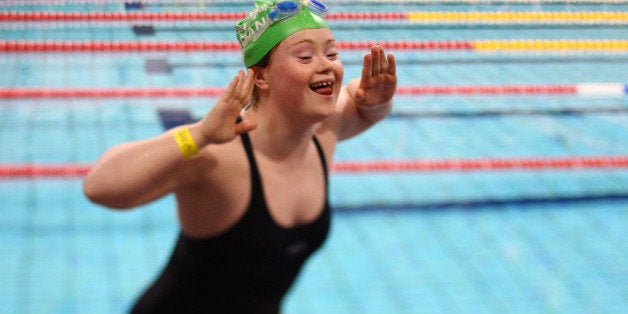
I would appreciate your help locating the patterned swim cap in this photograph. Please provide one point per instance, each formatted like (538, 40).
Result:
(272, 21)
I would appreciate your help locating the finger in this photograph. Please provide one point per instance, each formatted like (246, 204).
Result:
(376, 60)
(383, 62)
(241, 90)
(367, 67)
(245, 126)
(247, 88)
(238, 87)
(248, 80)
(392, 65)
(229, 99)
(231, 88)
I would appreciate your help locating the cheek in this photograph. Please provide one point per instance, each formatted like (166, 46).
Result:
(339, 70)
(287, 75)
(286, 84)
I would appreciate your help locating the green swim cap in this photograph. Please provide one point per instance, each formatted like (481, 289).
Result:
(272, 21)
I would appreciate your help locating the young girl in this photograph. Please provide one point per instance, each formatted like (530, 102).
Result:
(250, 178)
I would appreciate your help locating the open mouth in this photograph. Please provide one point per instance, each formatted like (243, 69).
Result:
(323, 88)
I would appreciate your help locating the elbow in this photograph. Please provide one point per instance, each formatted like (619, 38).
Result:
(92, 192)
(98, 194)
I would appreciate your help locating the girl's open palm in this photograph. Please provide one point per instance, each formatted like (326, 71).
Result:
(220, 124)
(379, 78)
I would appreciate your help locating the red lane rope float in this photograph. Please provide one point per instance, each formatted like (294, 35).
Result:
(43, 170)
(417, 16)
(488, 89)
(247, 2)
(118, 92)
(532, 163)
(25, 46)
(44, 16)
(479, 164)
(140, 92)
(135, 46)
(113, 46)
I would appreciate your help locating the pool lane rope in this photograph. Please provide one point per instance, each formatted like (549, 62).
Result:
(43, 170)
(582, 89)
(200, 3)
(40, 46)
(137, 4)
(423, 17)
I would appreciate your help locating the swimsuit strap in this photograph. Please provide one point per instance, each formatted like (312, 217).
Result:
(321, 154)
(257, 194)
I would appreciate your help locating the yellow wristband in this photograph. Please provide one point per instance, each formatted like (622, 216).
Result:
(185, 142)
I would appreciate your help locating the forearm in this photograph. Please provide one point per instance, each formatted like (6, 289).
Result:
(134, 173)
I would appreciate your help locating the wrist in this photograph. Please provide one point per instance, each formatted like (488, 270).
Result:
(197, 131)
(387, 105)
(376, 112)
(185, 141)
(189, 139)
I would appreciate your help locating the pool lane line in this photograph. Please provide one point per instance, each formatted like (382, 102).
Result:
(42, 170)
(140, 4)
(498, 17)
(582, 89)
(483, 112)
(491, 45)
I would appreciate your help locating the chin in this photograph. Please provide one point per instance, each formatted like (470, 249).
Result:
(328, 110)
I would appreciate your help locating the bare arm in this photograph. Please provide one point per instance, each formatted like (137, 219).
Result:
(134, 173)
(368, 99)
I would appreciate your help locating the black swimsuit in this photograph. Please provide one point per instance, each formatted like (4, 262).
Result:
(247, 269)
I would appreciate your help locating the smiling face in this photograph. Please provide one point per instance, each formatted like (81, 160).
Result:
(304, 74)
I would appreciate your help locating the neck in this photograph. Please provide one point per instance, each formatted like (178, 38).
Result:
(283, 137)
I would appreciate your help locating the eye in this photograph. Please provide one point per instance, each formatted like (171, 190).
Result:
(333, 55)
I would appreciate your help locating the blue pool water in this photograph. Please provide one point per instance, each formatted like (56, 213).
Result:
(515, 241)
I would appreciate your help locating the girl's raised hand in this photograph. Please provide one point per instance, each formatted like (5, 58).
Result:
(220, 125)
(379, 79)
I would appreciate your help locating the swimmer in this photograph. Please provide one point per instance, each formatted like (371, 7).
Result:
(251, 185)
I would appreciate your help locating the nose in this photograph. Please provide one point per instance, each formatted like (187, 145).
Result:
(325, 65)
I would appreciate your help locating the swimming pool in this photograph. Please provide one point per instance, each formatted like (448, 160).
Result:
(451, 240)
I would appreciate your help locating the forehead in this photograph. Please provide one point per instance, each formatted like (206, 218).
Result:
(316, 36)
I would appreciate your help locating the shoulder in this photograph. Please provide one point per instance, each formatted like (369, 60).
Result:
(220, 193)
(214, 165)
(216, 160)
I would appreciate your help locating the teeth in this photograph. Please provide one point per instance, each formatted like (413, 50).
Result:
(321, 84)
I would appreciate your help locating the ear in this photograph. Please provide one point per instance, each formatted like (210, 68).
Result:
(260, 78)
